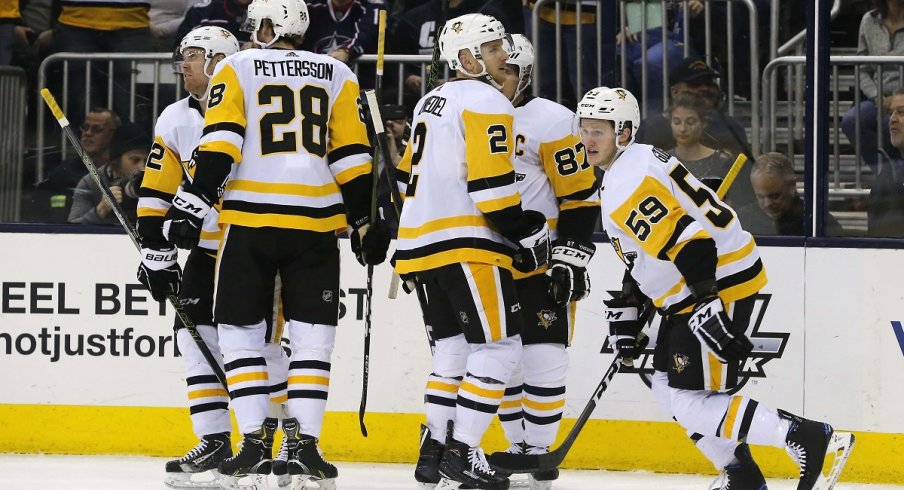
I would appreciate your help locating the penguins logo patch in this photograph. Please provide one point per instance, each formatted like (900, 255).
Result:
(546, 317)
(681, 362)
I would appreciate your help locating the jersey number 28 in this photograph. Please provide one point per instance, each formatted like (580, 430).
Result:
(313, 104)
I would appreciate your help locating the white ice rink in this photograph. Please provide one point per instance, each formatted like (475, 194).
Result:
(26, 472)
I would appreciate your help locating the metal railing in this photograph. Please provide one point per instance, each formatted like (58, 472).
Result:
(12, 140)
(852, 65)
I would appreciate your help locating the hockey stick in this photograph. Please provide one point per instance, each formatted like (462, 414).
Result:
(434, 62)
(130, 230)
(365, 375)
(376, 122)
(530, 463)
(731, 175)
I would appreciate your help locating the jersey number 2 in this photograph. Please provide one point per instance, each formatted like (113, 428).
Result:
(418, 140)
(313, 102)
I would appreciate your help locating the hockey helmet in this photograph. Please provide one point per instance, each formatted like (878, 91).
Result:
(469, 31)
(521, 54)
(212, 40)
(611, 104)
(289, 18)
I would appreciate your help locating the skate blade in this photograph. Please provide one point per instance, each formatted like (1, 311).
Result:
(448, 484)
(538, 484)
(189, 480)
(283, 481)
(840, 446)
(244, 482)
(719, 482)
(305, 482)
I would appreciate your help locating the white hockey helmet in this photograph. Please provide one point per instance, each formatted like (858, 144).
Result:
(521, 54)
(289, 18)
(469, 31)
(213, 40)
(611, 104)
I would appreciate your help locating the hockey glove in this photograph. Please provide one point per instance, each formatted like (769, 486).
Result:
(182, 223)
(370, 242)
(625, 326)
(159, 271)
(711, 325)
(533, 245)
(568, 277)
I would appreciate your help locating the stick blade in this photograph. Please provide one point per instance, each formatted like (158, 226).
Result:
(524, 463)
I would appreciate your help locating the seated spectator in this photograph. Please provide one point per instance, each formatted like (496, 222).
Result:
(688, 116)
(885, 216)
(14, 34)
(879, 32)
(343, 29)
(166, 16)
(567, 35)
(52, 197)
(779, 210)
(228, 14)
(692, 75)
(414, 31)
(127, 158)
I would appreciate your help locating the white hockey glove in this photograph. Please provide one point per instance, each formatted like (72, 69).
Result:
(159, 271)
(711, 325)
(182, 223)
(568, 277)
(533, 246)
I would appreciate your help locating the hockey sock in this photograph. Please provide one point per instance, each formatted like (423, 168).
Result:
(489, 368)
(450, 357)
(545, 366)
(510, 414)
(309, 373)
(278, 372)
(246, 373)
(208, 401)
(719, 451)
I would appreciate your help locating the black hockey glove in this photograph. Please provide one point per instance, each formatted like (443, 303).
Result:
(370, 241)
(159, 271)
(713, 328)
(182, 223)
(533, 244)
(625, 326)
(568, 277)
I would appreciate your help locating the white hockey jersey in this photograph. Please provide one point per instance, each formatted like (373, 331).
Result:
(456, 169)
(550, 167)
(652, 207)
(291, 123)
(176, 136)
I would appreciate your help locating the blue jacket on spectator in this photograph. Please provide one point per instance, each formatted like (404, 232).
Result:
(228, 14)
(354, 29)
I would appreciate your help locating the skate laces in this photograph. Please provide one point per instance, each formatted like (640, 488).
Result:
(536, 450)
(515, 448)
(478, 461)
(283, 454)
(196, 451)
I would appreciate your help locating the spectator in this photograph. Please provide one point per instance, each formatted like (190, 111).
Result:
(547, 55)
(94, 27)
(52, 198)
(228, 14)
(779, 210)
(688, 116)
(879, 31)
(343, 29)
(885, 216)
(166, 16)
(674, 43)
(692, 75)
(13, 31)
(414, 31)
(398, 130)
(128, 154)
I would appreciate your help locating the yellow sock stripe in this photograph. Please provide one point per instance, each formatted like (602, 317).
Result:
(195, 394)
(484, 392)
(731, 416)
(279, 399)
(241, 378)
(440, 386)
(509, 404)
(533, 404)
(309, 380)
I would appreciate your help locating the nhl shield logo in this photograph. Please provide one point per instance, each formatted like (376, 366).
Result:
(327, 295)
(463, 316)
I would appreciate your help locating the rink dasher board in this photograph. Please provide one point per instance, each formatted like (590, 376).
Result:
(82, 343)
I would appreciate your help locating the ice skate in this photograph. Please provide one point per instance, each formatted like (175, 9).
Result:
(540, 480)
(461, 464)
(305, 461)
(427, 470)
(190, 471)
(743, 475)
(248, 469)
(808, 442)
(280, 463)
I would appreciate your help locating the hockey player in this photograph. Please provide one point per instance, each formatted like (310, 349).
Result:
(686, 251)
(288, 124)
(178, 133)
(461, 224)
(554, 179)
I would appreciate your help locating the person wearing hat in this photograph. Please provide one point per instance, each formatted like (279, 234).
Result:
(128, 153)
(693, 76)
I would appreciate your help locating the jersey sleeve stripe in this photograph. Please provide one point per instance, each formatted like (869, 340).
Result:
(567, 205)
(352, 173)
(147, 211)
(226, 148)
(147, 192)
(224, 126)
(491, 182)
(681, 225)
(338, 154)
(701, 234)
(494, 205)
